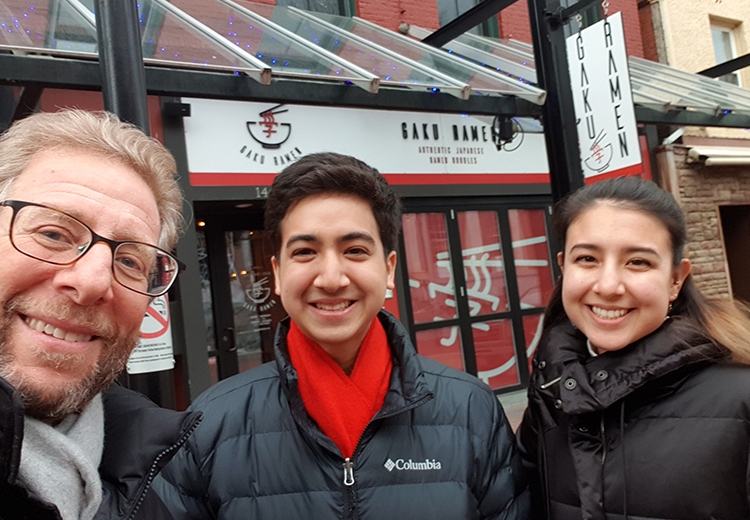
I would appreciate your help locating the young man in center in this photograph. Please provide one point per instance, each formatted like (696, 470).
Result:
(349, 422)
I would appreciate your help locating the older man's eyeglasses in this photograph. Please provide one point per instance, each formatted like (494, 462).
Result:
(55, 237)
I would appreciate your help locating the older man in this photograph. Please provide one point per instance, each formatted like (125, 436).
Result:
(89, 210)
(349, 422)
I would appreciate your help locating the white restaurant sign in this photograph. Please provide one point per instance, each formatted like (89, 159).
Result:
(238, 143)
(600, 81)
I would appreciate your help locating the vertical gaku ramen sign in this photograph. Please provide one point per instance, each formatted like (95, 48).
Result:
(600, 81)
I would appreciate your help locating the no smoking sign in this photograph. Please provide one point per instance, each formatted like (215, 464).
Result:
(154, 351)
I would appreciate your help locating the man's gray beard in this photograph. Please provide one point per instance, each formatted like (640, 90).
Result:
(51, 405)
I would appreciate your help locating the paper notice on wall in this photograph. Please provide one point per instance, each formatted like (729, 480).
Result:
(155, 350)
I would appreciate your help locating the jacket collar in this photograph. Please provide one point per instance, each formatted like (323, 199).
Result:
(11, 432)
(139, 439)
(408, 387)
(589, 384)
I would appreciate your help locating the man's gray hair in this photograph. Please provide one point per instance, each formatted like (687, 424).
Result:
(102, 134)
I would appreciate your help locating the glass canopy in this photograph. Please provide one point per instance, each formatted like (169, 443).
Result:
(392, 69)
(267, 41)
(261, 41)
(48, 25)
(480, 79)
(283, 52)
(654, 85)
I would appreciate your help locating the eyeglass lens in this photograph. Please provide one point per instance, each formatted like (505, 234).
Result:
(52, 236)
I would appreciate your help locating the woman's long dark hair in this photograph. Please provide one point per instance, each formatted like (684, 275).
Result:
(724, 322)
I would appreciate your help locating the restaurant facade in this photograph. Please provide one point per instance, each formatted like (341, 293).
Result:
(239, 90)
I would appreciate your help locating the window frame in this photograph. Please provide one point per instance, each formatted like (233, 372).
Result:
(726, 29)
(463, 320)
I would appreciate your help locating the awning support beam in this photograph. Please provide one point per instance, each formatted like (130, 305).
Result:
(161, 81)
(27, 103)
(727, 67)
(466, 21)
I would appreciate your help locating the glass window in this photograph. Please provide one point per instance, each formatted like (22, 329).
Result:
(443, 345)
(449, 10)
(483, 326)
(531, 256)
(496, 357)
(725, 50)
(433, 296)
(483, 262)
(257, 309)
(532, 331)
(205, 274)
(339, 7)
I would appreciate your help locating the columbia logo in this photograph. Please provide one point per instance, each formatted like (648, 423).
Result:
(410, 465)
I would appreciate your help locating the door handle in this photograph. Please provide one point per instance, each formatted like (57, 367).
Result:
(229, 339)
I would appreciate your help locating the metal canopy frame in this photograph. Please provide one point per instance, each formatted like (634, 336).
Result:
(54, 68)
(256, 69)
(367, 81)
(70, 73)
(451, 86)
(661, 94)
(476, 49)
(517, 88)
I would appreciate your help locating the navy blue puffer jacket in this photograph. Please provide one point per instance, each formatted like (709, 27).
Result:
(440, 448)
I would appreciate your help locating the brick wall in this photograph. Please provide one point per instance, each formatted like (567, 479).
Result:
(650, 45)
(701, 192)
(389, 13)
(632, 24)
(514, 23)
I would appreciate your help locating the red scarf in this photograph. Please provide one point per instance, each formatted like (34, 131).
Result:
(342, 405)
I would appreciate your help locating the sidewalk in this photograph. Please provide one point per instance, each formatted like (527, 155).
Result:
(514, 404)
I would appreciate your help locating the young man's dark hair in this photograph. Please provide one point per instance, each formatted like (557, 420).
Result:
(327, 173)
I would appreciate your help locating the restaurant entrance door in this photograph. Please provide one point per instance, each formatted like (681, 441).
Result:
(240, 306)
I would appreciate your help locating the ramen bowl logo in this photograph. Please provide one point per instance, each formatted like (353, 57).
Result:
(269, 132)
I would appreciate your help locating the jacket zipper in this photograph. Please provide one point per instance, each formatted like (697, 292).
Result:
(152, 472)
(348, 465)
(604, 440)
(351, 503)
(348, 472)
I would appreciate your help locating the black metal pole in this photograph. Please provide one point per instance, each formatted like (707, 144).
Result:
(558, 114)
(121, 61)
(124, 90)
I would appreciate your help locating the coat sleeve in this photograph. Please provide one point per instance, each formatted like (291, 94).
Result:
(183, 488)
(528, 443)
(505, 493)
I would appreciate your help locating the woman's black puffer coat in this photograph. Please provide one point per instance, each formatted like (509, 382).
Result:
(657, 430)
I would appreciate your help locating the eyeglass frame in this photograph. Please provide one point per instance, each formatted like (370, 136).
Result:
(17, 205)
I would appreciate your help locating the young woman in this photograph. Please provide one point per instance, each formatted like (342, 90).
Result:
(639, 403)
